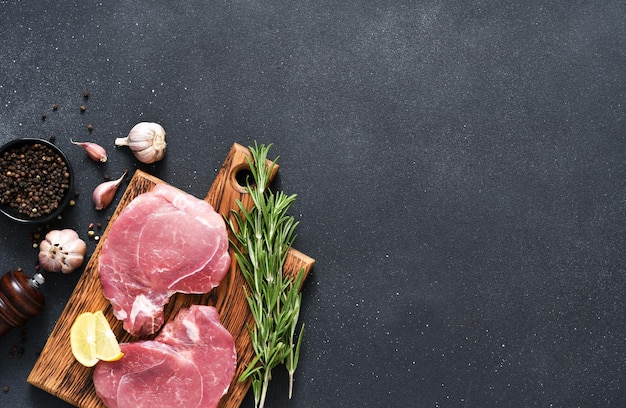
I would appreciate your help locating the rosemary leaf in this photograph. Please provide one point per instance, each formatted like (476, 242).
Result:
(263, 236)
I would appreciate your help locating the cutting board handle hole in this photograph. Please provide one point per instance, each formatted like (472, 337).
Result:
(241, 176)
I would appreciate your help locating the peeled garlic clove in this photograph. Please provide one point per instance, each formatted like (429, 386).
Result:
(146, 140)
(61, 251)
(104, 192)
(93, 150)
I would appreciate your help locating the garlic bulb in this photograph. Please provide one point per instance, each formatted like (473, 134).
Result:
(146, 140)
(61, 251)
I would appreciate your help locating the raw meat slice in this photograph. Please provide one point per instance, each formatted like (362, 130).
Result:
(189, 364)
(165, 241)
(151, 372)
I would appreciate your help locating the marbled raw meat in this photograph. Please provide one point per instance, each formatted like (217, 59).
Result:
(165, 241)
(189, 364)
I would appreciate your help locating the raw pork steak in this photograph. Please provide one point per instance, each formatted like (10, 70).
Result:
(189, 364)
(165, 241)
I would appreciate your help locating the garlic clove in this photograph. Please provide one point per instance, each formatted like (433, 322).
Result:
(61, 251)
(74, 246)
(93, 150)
(146, 140)
(72, 261)
(103, 194)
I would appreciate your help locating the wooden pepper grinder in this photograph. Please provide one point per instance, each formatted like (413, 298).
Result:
(20, 299)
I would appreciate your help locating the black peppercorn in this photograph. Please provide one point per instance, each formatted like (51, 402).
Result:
(33, 179)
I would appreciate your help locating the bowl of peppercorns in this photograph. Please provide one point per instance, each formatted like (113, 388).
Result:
(36, 180)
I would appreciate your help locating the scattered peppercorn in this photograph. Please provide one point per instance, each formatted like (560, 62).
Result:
(43, 116)
(86, 94)
(33, 179)
(5, 388)
(55, 106)
(82, 108)
(90, 127)
(36, 235)
(16, 352)
(52, 138)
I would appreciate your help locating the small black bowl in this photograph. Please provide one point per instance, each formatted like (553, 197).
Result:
(49, 165)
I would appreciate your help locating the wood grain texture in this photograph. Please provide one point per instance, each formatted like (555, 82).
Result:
(57, 372)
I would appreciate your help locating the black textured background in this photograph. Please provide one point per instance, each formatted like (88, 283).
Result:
(460, 170)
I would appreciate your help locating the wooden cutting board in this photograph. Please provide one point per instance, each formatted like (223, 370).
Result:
(57, 372)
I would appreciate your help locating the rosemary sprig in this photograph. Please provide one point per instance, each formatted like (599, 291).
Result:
(264, 234)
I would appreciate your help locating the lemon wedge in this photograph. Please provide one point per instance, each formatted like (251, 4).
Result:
(83, 339)
(92, 339)
(107, 347)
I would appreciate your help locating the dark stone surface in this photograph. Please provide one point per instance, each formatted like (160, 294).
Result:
(460, 166)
